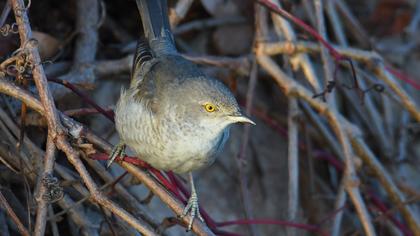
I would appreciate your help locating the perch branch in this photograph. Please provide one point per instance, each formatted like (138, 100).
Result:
(56, 130)
(76, 130)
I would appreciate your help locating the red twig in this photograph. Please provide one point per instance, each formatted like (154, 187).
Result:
(331, 215)
(403, 77)
(334, 53)
(337, 164)
(84, 111)
(210, 222)
(175, 186)
(84, 97)
(310, 228)
(21, 228)
(384, 209)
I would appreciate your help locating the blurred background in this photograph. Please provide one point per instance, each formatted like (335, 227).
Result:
(290, 167)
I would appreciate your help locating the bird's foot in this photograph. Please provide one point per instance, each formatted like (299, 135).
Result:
(192, 208)
(118, 150)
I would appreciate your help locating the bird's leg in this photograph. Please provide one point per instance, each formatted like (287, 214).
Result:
(192, 205)
(118, 150)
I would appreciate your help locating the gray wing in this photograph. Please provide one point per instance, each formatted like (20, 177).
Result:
(162, 78)
(144, 87)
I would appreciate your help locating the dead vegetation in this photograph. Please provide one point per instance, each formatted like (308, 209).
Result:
(332, 85)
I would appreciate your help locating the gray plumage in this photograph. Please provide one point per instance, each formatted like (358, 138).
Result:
(173, 116)
(163, 119)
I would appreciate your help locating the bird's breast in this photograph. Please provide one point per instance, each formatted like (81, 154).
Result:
(164, 142)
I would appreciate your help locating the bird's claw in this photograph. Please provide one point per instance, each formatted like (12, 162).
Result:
(118, 150)
(193, 208)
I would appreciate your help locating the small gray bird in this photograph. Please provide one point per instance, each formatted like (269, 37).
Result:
(173, 116)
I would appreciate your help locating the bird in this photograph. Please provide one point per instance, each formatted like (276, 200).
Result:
(172, 116)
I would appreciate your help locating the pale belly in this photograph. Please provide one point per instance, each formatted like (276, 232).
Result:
(181, 154)
(160, 146)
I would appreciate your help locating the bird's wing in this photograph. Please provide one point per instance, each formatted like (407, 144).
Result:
(159, 43)
(144, 90)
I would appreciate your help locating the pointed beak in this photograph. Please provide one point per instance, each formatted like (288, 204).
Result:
(239, 118)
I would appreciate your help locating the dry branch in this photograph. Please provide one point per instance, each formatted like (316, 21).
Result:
(13, 215)
(56, 130)
(344, 131)
(76, 130)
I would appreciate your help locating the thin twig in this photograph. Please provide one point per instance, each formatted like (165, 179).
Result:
(291, 88)
(82, 71)
(54, 227)
(376, 122)
(353, 25)
(198, 227)
(13, 216)
(327, 65)
(208, 23)
(43, 204)
(76, 130)
(284, 29)
(177, 13)
(386, 181)
(4, 229)
(46, 99)
(241, 158)
(293, 163)
(340, 202)
(76, 214)
(55, 128)
(5, 13)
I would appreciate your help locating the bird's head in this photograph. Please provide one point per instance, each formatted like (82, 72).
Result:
(207, 104)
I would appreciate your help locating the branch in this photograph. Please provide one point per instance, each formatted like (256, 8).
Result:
(329, 74)
(293, 162)
(77, 130)
(11, 213)
(198, 227)
(43, 204)
(55, 128)
(284, 29)
(177, 13)
(51, 115)
(291, 88)
(87, 22)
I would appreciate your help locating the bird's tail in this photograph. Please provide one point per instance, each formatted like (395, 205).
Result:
(154, 16)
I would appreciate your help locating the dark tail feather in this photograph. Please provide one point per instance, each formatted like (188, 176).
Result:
(154, 16)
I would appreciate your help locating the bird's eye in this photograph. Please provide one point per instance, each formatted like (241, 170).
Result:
(209, 107)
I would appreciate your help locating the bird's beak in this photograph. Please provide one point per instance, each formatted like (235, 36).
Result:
(239, 118)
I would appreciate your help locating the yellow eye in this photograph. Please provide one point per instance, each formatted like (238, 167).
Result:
(209, 107)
